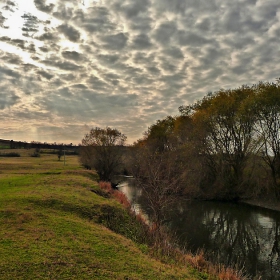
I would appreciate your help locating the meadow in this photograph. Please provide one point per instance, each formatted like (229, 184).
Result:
(51, 226)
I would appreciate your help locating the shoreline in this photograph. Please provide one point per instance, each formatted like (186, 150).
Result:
(266, 204)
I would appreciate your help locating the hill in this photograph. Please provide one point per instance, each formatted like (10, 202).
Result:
(51, 226)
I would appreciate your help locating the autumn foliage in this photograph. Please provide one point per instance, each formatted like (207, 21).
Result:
(119, 196)
(225, 146)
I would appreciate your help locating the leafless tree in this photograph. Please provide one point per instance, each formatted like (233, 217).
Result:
(160, 176)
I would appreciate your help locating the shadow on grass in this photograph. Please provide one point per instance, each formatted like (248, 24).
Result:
(115, 218)
(91, 213)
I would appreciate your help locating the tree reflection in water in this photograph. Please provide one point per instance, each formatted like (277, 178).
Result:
(234, 234)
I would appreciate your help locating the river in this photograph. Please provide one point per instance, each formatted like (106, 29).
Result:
(235, 234)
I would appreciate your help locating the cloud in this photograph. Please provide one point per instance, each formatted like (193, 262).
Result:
(97, 84)
(164, 33)
(10, 6)
(48, 36)
(62, 64)
(127, 63)
(132, 9)
(7, 99)
(96, 19)
(69, 32)
(142, 23)
(174, 52)
(31, 24)
(64, 133)
(108, 59)
(50, 47)
(192, 39)
(72, 55)
(42, 6)
(9, 72)
(79, 86)
(2, 19)
(141, 42)
(11, 58)
(114, 42)
(16, 42)
(63, 12)
(45, 74)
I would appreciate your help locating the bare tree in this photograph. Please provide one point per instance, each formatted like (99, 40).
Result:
(160, 176)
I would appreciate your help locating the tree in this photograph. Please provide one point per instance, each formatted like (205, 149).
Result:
(267, 108)
(159, 135)
(159, 166)
(161, 175)
(223, 131)
(102, 150)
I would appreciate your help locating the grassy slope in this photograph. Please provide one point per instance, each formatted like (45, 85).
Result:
(49, 229)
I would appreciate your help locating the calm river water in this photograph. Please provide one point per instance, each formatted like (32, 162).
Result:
(234, 234)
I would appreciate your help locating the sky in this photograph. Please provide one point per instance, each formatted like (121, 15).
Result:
(69, 65)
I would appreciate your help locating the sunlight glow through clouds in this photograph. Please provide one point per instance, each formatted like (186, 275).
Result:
(125, 63)
(15, 22)
(15, 19)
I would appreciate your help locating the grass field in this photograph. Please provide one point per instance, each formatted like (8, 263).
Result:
(50, 229)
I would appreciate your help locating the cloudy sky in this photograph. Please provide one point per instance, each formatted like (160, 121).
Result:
(69, 65)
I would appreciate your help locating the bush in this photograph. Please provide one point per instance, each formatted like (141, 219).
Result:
(35, 154)
(123, 222)
(12, 154)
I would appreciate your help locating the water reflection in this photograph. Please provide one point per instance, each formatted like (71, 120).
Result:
(234, 234)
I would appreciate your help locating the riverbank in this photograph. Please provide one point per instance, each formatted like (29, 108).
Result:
(54, 226)
(270, 204)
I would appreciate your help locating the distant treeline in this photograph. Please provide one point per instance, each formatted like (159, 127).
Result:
(224, 146)
(10, 144)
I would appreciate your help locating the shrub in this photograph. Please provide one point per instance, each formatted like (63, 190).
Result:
(106, 186)
(121, 197)
(12, 154)
(35, 154)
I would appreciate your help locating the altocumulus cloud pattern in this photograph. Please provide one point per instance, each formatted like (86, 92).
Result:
(66, 66)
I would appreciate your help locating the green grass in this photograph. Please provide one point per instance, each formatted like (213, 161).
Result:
(4, 146)
(50, 226)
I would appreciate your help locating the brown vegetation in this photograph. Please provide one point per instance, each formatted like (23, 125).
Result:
(162, 244)
(225, 146)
